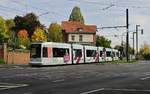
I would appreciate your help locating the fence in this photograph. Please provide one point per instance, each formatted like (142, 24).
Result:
(13, 57)
(17, 58)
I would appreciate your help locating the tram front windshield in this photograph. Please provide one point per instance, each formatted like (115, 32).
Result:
(35, 51)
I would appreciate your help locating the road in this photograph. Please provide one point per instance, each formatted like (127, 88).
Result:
(77, 79)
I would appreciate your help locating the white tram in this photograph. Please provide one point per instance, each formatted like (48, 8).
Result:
(115, 54)
(51, 53)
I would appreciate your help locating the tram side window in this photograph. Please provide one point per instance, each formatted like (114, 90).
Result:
(108, 54)
(90, 53)
(117, 53)
(45, 54)
(113, 54)
(101, 53)
(60, 52)
(78, 52)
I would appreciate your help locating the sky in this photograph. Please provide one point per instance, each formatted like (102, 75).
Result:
(102, 13)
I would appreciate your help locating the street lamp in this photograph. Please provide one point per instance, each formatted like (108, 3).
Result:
(137, 38)
(142, 31)
(133, 41)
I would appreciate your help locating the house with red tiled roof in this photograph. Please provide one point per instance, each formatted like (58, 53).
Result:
(78, 32)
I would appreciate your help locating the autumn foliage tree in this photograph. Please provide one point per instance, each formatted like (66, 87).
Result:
(55, 33)
(145, 51)
(39, 35)
(24, 28)
(4, 33)
(22, 34)
(29, 22)
(23, 39)
(10, 24)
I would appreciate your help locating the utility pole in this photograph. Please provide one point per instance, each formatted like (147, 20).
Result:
(127, 37)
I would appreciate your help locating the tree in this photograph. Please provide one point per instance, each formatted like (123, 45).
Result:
(76, 15)
(4, 34)
(22, 34)
(55, 33)
(22, 39)
(39, 35)
(119, 48)
(122, 49)
(145, 51)
(10, 24)
(29, 22)
(102, 41)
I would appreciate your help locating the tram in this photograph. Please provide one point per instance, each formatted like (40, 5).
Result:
(52, 53)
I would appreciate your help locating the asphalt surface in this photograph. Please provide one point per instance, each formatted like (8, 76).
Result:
(77, 79)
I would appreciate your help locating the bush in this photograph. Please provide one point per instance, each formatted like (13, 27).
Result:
(146, 56)
(2, 61)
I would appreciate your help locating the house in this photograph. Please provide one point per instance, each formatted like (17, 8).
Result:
(78, 32)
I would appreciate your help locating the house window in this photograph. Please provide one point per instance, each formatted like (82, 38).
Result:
(80, 37)
(72, 37)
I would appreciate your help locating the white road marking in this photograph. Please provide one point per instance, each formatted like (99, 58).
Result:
(58, 80)
(127, 90)
(10, 85)
(92, 91)
(145, 78)
(113, 89)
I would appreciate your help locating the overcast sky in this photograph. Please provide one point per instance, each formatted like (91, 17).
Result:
(102, 13)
